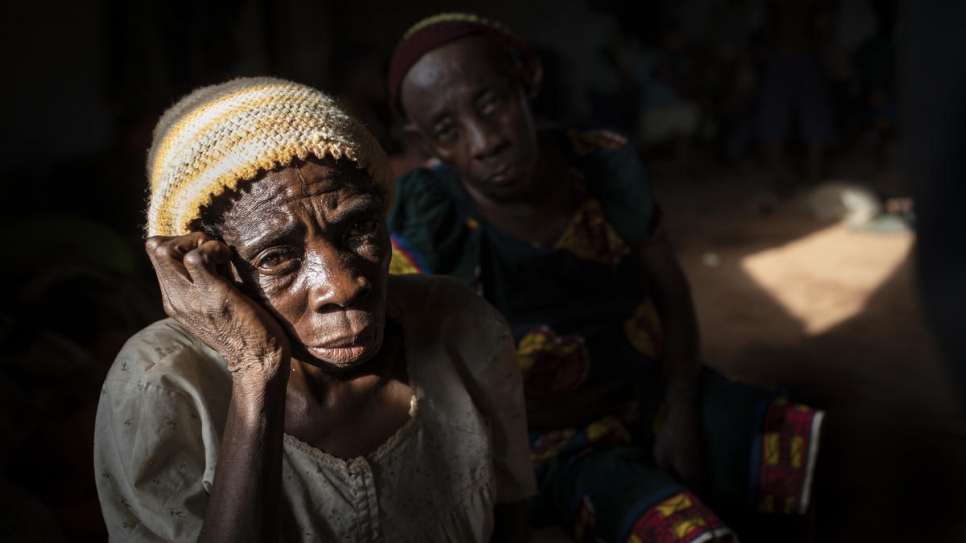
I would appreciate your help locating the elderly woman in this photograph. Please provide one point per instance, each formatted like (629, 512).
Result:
(632, 438)
(298, 392)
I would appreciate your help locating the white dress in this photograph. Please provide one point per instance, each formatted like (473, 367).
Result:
(164, 404)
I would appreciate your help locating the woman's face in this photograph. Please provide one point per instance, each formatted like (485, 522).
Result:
(466, 102)
(312, 246)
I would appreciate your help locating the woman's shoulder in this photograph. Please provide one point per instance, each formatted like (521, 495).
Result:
(164, 354)
(615, 176)
(429, 224)
(441, 294)
(447, 324)
(438, 301)
(422, 193)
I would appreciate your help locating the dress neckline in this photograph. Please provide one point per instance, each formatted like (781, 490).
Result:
(395, 312)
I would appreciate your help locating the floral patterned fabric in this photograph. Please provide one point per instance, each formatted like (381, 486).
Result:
(582, 316)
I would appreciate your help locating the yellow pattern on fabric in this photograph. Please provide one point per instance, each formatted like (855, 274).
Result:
(586, 520)
(452, 17)
(401, 264)
(603, 427)
(552, 451)
(530, 344)
(797, 447)
(791, 505)
(673, 504)
(684, 527)
(644, 330)
(772, 449)
(563, 361)
(591, 237)
(767, 504)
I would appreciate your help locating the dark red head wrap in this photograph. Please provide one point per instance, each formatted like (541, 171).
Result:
(438, 30)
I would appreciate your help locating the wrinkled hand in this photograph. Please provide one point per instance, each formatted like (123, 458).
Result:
(193, 271)
(677, 445)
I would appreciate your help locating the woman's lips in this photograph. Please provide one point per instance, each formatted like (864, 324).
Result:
(345, 350)
(338, 355)
(504, 174)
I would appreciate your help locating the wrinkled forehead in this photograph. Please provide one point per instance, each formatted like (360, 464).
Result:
(327, 181)
(473, 61)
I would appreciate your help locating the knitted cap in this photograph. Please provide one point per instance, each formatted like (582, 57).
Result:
(219, 135)
(438, 30)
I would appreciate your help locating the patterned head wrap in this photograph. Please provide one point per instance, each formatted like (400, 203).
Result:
(219, 135)
(438, 30)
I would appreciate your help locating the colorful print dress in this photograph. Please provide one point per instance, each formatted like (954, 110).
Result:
(581, 315)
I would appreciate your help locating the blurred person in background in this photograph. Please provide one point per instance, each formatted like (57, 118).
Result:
(795, 104)
(632, 438)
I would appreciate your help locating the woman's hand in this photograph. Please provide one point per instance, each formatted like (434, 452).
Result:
(197, 288)
(677, 443)
(577, 409)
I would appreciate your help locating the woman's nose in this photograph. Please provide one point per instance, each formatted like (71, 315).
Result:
(484, 139)
(334, 283)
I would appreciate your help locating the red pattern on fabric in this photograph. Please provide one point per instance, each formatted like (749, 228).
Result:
(550, 363)
(682, 518)
(590, 236)
(403, 261)
(644, 330)
(600, 434)
(786, 447)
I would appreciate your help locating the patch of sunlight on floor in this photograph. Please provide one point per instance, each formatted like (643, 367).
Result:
(827, 277)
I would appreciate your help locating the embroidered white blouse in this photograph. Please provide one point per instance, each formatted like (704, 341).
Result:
(464, 449)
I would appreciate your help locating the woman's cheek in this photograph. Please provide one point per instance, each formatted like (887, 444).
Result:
(273, 286)
(376, 249)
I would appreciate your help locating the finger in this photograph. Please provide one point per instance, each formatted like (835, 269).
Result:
(167, 253)
(206, 265)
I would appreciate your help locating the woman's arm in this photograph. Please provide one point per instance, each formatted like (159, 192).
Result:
(198, 292)
(577, 409)
(677, 446)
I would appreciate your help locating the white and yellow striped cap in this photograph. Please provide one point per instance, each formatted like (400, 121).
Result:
(219, 135)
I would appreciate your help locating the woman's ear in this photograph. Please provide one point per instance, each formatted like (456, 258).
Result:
(414, 141)
(530, 80)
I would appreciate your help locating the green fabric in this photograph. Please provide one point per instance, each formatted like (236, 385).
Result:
(542, 287)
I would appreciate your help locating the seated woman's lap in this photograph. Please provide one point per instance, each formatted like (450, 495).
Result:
(759, 448)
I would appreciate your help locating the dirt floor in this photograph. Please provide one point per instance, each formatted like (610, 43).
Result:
(785, 299)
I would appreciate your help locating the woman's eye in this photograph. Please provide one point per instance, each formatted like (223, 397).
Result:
(274, 260)
(489, 104)
(445, 132)
(363, 227)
